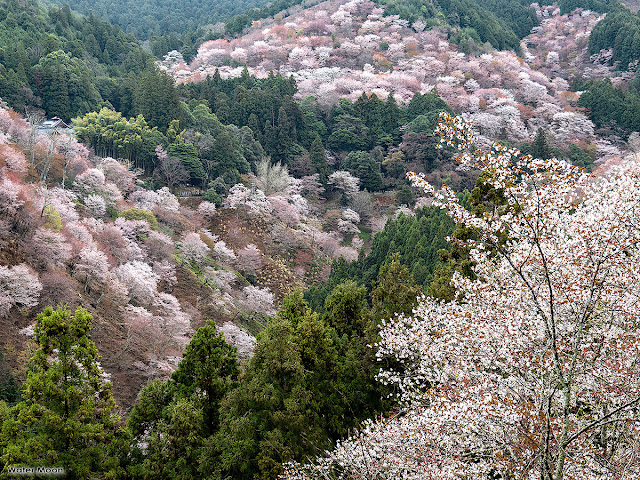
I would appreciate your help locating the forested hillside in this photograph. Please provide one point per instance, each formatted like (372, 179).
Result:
(138, 271)
(500, 22)
(326, 239)
(63, 63)
(146, 19)
(619, 34)
(377, 60)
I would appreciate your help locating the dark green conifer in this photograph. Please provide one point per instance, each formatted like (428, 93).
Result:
(66, 419)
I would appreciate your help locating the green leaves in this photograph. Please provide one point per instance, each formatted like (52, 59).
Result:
(155, 97)
(66, 418)
(364, 167)
(284, 406)
(111, 134)
(177, 419)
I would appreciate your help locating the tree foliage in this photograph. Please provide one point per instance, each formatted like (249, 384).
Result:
(417, 239)
(45, 61)
(109, 133)
(176, 419)
(153, 20)
(619, 31)
(530, 370)
(499, 22)
(609, 108)
(66, 419)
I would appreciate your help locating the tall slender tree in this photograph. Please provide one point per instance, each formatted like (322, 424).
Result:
(66, 419)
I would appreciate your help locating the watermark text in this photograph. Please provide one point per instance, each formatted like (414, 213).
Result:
(20, 471)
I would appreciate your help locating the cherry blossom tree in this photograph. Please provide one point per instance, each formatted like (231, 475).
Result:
(234, 335)
(221, 279)
(176, 324)
(15, 160)
(568, 126)
(258, 300)
(348, 253)
(148, 199)
(253, 198)
(223, 253)
(90, 181)
(93, 182)
(532, 92)
(403, 210)
(133, 229)
(144, 327)
(50, 247)
(249, 258)
(311, 187)
(377, 224)
(19, 286)
(193, 249)
(70, 150)
(532, 372)
(283, 210)
(207, 209)
(166, 272)
(122, 248)
(118, 173)
(329, 242)
(140, 279)
(170, 169)
(343, 180)
(10, 197)
(349, 222)
(96, 205)
(92, 268)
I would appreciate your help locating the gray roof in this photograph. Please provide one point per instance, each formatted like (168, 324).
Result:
(54, 125)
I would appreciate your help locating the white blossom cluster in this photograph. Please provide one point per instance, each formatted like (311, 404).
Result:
(533, 371)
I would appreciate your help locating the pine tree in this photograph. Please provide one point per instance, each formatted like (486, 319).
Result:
(540, 147)
(391, 118)
(188, 155)
(395, 290)
(254, 125)
(284, 139)
(55, 92)
(318, 157)
(66, 419)
(176, 419)
(285, 406)
(206, 372)
(156, 99)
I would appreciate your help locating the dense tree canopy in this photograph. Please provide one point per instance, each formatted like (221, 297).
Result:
(111, 134)
(328, 361)
(176, 419)
(66, 419)
(611, 109)
(67, 64)
(500, 22)
(619, 31)
(416, 239)
(529, 372)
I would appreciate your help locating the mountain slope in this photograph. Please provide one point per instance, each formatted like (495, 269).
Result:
(500, 22)
(145, 18)
(61, 62)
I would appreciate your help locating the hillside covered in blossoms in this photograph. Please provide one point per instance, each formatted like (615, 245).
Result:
(341, 50)
(321, 239)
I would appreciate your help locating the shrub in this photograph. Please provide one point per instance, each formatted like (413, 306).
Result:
(140, 214)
